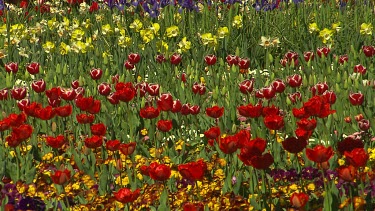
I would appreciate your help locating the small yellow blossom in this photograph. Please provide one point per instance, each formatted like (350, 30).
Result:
(106, 29)
(209, 39)
(48, 47)
(64, 48)
(311, 186)
(136, 25)
(172, 31)
(124, 181)
(155, 28)
(326, 35)
(162, 46)
(184, 44)
(147, 35)
(78, 34)
(293, 187)
(313, 27)
(237, 21)
(341, 162)
(366, 29)
(222, 32)
(177, 17)
(179, 144)
(144, 132)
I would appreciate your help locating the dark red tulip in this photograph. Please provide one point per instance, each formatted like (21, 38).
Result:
(96, 73)
(18, 93)
(360, 69)
(295, 97)
(160, 58)
(199, 88)
(308, 56)
(319, 88)
(127, 149)
(232, 60)
(350, 143)
(194, 110)
(185, 109)
(104, 89)
(21, 104)
(307, 124)
(112, 145)
(94, 142)
(68, 94)
(193, 171)
(61, 177)
(164, 125)
(54, 93)
(175, 59)
(54, 103)
(243, 63)
(319, 153)
(294, 145)
(274, 122)
(128, 65)
(210, 59)
(85, 118)
(323, 51)
(134, 58)
(115, 79)
(215, 111)
(46, 113)
(159, 172)
(343, 59)
(356, 99)
(98, 129)
(212, 133)
(262, 161)
(250, 110)
(33, 68)
(299, 200)
(38, 86)
(75, 84)
(55, 142)
(278, 85)
(165, 102)
(94, 7)
(4, 125)
(64, 111)
(141, 89)
(358, 157)
(11, 67)
(294, 80)
(330, 97)
(125, 195)
(246, 86)
(369, 51)
(289, 59)
(228, 144)
(153, 89)
(113, 98)
(268, 92)
(250, 149)
(23, 131)
(32, 108)
(4, 94)
(176, 106)
(149, 112)
(183, 77)
(364, 124)
(13, 140)
(347, 173)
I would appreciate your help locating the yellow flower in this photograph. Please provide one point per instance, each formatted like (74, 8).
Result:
(311, 186)
(219, 173)
(17, 28)
(106, 29)
(3, 30)
(208, 39)
(237, 21)
(78, 34)
(136, 25)
(144, 132)
(179, 144)
(366, 28)
(265, 41)
(65, 22)
(222, 32)
(172, 31)
(155, 28)
(177, 17)
(124, 181)
(313, 27)
(275, 42)
(64, 48)
(48, 46)
(147, 35)
(52, 24)
(3, 54)
(124, 41)
(341, 162)
(336, 26)
(326, 35)
(79, 47)
(162, 46)
(184, 44)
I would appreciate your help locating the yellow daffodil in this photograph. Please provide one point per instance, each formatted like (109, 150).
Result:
(124, 41)
(366, 29)
(155, 28)
(313, 27)
(64, 48)
(208, 39)
(65, 23)
(222, 32)
(237, 22)
(326, 35)
(78, 34)
(136, 25)
(265, 41)
(275, 42)
(78, 47)
(48, 46)
(52, 24)
(3, 30)
(147, 35)
(162, 46)
(106, 29)
(184, 44)
(172, 31)
(336, 26)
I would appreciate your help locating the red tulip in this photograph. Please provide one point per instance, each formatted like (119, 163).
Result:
(94, 7)
(274, 122)
(54, 103)
(128, 65)
(294, 80)
(85, 103)
(75, 84)
(21, 104)
(364, 124)
(85, 118)
(176, 106)
(307, 124)
(185, 109)
(153, 89)
(18, 93)
(294, 145)
(32, 108)
(262, 161)
(343, 59)
(112, 145)
(13, 140)
(323, 51)
(39, 86)
(175, 59)
(61, 177)
(210, 59)
(215, 111)
(246, 86)
(268, 92)
(113, 98)
(250, 110)
(193, 207)
(33, 68)
(356, 98)
(55, 142)
(289, 59)
(96, 73)
(149, 112)
(243, 63)
(183, 77)
(347, 173)
(251, 149)
(54, 93)
(46, 113)
(164, 125)
(104, 89)
(98, 129)
(319, 153)
(299, 200)
(349, 144)
(212, 133)
(4, 94)
(359, 117)
(294, 97)
(134, 58)
(11, 67)
(141, 89)
(330, 97)
(159, 172)
(165, 102)
(194, 110)
(232, 60)
(125, 94)
(320, 88)
(369, 51)
(68, 94)
(358, 157)
(160, 58)
(23, 131)
(199, 88)
(308, 55)
(115, 79)
(127, 149)
(228, 144)
(4, 125)
(278, 85)
(64, 111)
(360, 69)
(193, 171)
(270, 110)
(94, 142)
(125, 195)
